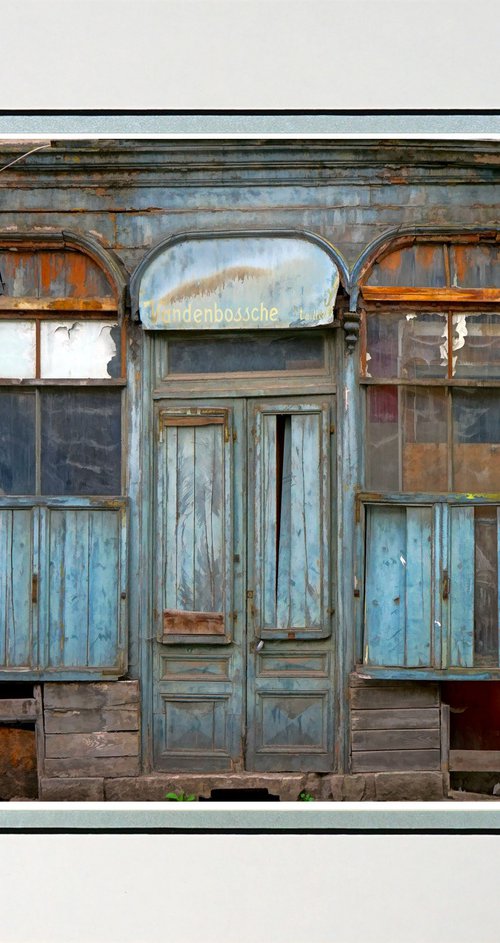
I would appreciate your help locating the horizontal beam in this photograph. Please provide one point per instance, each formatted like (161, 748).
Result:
(14, 710)
(430, 295)
(57, 304)
(474, 761)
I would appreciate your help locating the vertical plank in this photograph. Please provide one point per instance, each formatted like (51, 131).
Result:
(16, 549)
(385, 586)
(68, 610)
(284, 547)
(275, 610)
(305, 556)
(186, 479)
(167, 510)
(208, 542)
(104, 564)
(418, 586)
(461, 586)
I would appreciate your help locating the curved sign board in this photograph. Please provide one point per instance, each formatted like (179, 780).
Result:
(238, 282)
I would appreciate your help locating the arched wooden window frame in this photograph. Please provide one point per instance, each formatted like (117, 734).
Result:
(419, 619)
(52, 541)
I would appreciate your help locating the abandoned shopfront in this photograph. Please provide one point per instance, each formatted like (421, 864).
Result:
(249, 472)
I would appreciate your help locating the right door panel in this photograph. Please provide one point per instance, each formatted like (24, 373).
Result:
(290, 659)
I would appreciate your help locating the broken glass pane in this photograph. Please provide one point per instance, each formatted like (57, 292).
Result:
(17, 443)
(425, 437)
(382, 465)
(476, 440)
(17, 349)
(476, 346)
(80, 442)
(80, 350)
(406, 346)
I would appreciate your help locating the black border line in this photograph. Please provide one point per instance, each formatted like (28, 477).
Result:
(182, 830)
(250, 112)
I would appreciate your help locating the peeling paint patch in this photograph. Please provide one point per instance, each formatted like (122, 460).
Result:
(77, 349)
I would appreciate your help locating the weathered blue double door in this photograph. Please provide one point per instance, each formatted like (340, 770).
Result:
(244, 647)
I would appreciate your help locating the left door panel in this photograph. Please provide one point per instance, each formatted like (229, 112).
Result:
(198, 587)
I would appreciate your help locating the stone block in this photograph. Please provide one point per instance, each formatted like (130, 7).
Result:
(72, 790)
(409, 787)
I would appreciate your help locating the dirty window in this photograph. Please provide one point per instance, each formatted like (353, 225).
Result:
(17, 442)
(408, 346)
(433, 440)
(245, 354)
(80, 442)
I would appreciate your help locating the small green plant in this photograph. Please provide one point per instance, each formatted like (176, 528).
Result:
(179, 797)
(306, 797)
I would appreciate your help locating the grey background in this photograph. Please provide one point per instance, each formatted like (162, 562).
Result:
(239, 54)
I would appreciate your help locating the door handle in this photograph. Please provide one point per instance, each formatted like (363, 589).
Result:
(446, 584)
(259, 645)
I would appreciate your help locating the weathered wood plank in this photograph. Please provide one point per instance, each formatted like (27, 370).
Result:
(83, 745)
(418, 585)
(396, 719)
(208, 537)
(18, 709)
(89, 695)
(399, 695)
(93, 766)
(68, 594)
(380, 761)
(462, 587)
(368, 740)
(103, 601)
(16, 550)
(474, 761)
(275, 572)
(88, 721)
(56, 304)
(385, 586)
(445, 295)
(182, 622)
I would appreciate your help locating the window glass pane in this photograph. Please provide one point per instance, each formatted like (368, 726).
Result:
(382, 465)
(80, 349)
(17, 349)
(476, 346)
(407, 439)
(424, 439)
(245, 354)
(17, 443)
(476, 440)
(80, 435)
(407, 346)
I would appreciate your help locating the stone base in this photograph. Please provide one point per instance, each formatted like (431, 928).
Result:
(386, 787)
(72, 790)
(367, 787)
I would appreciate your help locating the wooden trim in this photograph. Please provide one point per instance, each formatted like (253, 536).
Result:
(474, 761)
(430, 295)
(182, 622)
(58, 304)
(193, 420)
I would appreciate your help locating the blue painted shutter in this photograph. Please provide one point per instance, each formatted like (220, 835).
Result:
(399, 586)
(63, 585)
